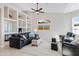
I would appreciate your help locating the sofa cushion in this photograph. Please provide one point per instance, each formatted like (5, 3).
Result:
(26, 35)
(23, 36)
(76, 39)
(14, 35)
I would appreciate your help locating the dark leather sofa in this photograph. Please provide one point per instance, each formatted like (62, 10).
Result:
(70, 49)
(19, 40)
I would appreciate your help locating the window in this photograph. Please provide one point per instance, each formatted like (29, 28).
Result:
(75, 25)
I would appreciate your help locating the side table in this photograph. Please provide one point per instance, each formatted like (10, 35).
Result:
(36, 42)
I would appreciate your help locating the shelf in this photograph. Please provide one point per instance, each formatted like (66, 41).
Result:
(22, 27)
(6, 19)
(22, 23)
(21, 20)
(6, 11)
(10, 33)
(22, 16)
(12, 14)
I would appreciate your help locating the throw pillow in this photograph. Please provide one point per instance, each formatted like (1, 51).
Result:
(76, 39)
(24, 36)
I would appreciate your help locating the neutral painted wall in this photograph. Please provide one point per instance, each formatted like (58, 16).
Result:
(60, 24)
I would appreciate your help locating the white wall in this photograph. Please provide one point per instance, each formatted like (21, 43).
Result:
(60, 24)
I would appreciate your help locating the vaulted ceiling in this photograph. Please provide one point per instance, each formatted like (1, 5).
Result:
(48, 7)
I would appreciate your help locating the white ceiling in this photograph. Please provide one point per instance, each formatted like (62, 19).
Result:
(49, 7)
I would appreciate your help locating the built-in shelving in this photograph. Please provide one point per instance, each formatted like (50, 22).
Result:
(15, 19)
(22, 24)
(22, 21)
(10, 20)
(22, 16)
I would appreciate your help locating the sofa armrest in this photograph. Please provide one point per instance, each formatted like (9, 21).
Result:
(70, 49)
(65, 44)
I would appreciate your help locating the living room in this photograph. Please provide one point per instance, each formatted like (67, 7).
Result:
(48, 23)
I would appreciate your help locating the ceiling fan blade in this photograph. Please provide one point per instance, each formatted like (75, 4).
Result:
(41, 12)
(33, 9)
(40, 9)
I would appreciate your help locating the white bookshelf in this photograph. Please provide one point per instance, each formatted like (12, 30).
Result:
(10, 20)
(17, 19)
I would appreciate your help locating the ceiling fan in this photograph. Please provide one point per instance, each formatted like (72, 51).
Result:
(38, 10)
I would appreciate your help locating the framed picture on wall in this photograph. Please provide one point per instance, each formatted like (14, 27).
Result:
(43, 24)
(46, 27)
(43, 21)
(43, 27)
(40, 27)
